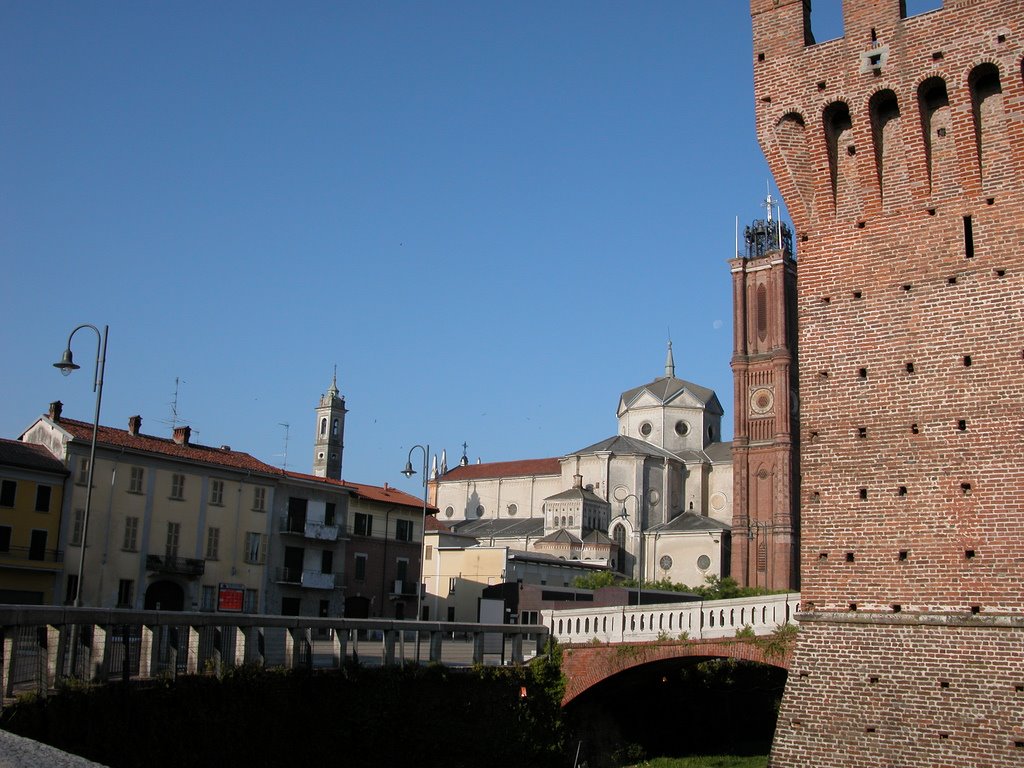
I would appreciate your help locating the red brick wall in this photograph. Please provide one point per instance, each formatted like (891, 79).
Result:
(912, 491)
(587, 665)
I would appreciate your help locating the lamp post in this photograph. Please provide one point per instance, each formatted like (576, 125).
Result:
(409, 472)
(66, 366)
(640, 550)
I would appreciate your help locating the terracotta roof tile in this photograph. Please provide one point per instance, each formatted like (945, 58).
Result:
(521, 468)
(387, 494)
(166, 446)
(14, 453)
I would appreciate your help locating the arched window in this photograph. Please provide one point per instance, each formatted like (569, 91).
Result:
(323, 427)
(334, 428)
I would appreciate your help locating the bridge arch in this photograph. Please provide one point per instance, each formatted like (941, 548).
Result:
(584, 666)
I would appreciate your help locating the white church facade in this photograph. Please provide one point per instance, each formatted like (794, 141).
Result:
(653, 500)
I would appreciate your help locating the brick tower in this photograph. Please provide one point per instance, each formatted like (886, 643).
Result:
(764, 524)
(899, 149)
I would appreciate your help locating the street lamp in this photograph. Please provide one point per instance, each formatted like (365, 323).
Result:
(640, 551)
(409, 472)
(66, 366)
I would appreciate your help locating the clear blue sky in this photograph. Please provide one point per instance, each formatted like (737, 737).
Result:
(489, 215)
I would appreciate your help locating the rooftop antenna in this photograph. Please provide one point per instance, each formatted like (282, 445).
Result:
(286, 426)
(175, 416)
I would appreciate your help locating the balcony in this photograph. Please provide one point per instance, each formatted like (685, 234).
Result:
(299, 577)
(29, 557)
(178, 566)
(310, 530)
(401, 588)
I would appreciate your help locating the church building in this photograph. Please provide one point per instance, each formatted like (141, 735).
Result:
(665, 497)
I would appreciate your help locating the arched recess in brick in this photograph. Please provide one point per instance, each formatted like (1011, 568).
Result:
(890, 158)
(842, 151)
(937, 132)
(989, 121)
(791, 136)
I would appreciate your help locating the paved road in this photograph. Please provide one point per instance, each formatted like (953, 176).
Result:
(19, 752)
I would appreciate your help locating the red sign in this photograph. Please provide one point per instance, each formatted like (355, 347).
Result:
(230, 597)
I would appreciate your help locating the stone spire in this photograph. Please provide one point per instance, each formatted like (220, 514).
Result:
(670, 364)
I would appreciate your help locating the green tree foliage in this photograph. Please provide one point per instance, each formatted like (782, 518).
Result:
(713, 588)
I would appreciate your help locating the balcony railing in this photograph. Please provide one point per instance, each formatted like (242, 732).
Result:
(30, 555)
(309, 579)
(403, 588)
(43, 644)
(180, 566)
(310, 530)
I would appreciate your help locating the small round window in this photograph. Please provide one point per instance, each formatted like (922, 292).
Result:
(665, 563)
(646, 428)
(480, 510)
(703, 562)
(449, 511)
(682, 428)
(512, 509)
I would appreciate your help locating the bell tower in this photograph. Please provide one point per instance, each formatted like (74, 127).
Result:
(765, 509)
(330, 432)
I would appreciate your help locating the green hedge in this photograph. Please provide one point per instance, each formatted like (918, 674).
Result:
(417, 716)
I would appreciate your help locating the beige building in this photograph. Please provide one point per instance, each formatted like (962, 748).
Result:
(458, 569)
(655, 499)
(173, 525)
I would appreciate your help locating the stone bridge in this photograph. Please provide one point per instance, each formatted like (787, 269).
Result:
(602, 642)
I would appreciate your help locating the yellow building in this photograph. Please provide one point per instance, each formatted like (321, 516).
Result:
(172, 525)
(31, 494)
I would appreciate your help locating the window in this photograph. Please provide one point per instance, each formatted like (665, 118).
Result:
(173, 537)
(251, 601)
(83, 472)
(125, 593)
(43, 498)
(212, 543)
(329, 513)
(209, 599)
(131, 534)
(259, 499)
(363, 524)
(360, 572)
(402, 569)
(334, 427)
(451, 585)
(646, 428)
(177, 486)
(77, 527)
(323, 427)
(37, 545)
(428, 553)
(326, 561)
(403, 530)
(254, 549)
(5, 538)
(135, 481)
(8, 490)
(217, 493)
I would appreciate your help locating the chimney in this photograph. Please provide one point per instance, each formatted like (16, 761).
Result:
(182, 435)
(577, 481)
(134, 425)
(55, 410)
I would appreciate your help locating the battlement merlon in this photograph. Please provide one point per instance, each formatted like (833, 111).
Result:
(786, 24)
